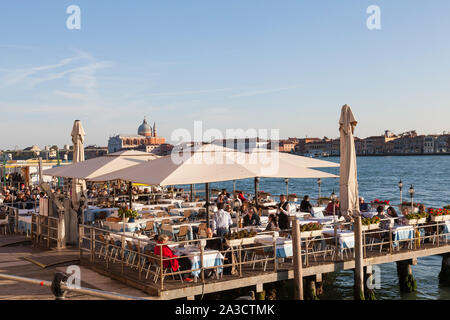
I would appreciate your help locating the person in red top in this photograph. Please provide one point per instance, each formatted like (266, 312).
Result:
(242, 197)
(182, 265)
(329, 209)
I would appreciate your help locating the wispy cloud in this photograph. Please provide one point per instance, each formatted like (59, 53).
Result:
(259, 92)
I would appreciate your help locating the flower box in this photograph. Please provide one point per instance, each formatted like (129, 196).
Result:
(422, 220)
(437, 218)
(411, 221)
(374, 226)
(316, 233)
(305, 234)
(446, 217)
(364, 227)
(240, 242)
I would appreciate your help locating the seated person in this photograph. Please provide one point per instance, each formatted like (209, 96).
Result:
(182, 264)
(213, 244)
(273, 223)
(242, 197)
(305, 205)
(390, 217)
(329, 208)
(363, 207)
(252, 218)
(222, 220)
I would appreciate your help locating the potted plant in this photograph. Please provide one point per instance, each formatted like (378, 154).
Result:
(370, 223)
(127, 214)
(313, 229)
(446, 213)
(411, 218)
(240, 238)
(377, 202)
(422, 217)
(436, 214)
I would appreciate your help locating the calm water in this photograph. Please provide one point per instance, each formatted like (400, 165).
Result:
(378, 178)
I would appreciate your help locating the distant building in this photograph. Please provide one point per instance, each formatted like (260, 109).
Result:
(147, 138)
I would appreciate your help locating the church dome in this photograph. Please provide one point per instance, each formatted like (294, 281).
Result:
(144, 129)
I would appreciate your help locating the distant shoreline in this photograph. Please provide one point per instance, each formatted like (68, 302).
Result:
(394, 155)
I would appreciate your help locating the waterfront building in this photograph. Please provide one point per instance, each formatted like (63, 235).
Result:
(146, 138)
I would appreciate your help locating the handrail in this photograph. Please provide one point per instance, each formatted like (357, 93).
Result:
(64, 287)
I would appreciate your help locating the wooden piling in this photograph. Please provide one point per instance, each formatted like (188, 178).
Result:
(406, 280)
(444, 275)
(359, 272)
(297, 252)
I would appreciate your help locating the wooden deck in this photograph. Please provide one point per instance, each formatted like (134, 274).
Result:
(175, 289)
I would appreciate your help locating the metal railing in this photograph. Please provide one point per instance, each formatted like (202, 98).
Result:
(66, 288)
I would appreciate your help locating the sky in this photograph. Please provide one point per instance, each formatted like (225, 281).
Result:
(254, 64)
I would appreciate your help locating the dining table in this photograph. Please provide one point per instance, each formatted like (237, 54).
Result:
(211, 259)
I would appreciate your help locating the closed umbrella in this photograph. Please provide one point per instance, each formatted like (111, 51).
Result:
(348, 182)
(78, 156)
(348, 191)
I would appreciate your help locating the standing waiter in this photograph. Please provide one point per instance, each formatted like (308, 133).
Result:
(283, 213)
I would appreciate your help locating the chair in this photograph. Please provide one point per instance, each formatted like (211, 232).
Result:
(146, 215)
(160, 214)
(149, 228)
(130, 253)
(100, 218)
(199, 205)
(183, 233)
(259, 253)
(201, 230)
(103, 246)
(158, 208)
(170, 208)
(187, 214)
(153, 261)
(165, 221)
(4, 222)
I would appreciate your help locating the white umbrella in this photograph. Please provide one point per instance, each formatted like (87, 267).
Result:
(348, 183)
(212, 163)
(101, 165)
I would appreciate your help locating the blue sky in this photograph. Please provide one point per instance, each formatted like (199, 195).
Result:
(287, 65)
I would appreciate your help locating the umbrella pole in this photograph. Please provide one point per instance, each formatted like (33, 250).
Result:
(130, 194)
(192, 192)
(207, 203)
(256, 191)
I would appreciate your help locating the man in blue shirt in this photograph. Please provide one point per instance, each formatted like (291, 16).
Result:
(363, 207)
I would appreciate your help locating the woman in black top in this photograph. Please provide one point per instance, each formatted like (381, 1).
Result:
(273, 223)
(305, 205)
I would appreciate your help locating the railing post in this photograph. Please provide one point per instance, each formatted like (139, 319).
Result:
(275, 261)
(92, 235)
(122, 254)
(138, 257)
(437, 232)
(391, 245)
(297, 252)
(161, 271)
(202, 264)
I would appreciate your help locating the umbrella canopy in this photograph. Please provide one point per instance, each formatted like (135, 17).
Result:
(212, 163)
(101, 165)
(78, 156)
(348, 183)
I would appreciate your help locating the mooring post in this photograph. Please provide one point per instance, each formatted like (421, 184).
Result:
(444, 275)
(310, 287)
(297, 252)
(406, 280)
(359, 272)
(369, 293)
(260, 293)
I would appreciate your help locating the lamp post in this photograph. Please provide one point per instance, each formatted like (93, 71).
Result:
(286, 180)
(319, 182)
(400, 186)
(411, 193)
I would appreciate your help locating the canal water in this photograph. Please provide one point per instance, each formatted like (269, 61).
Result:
(378, 177)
